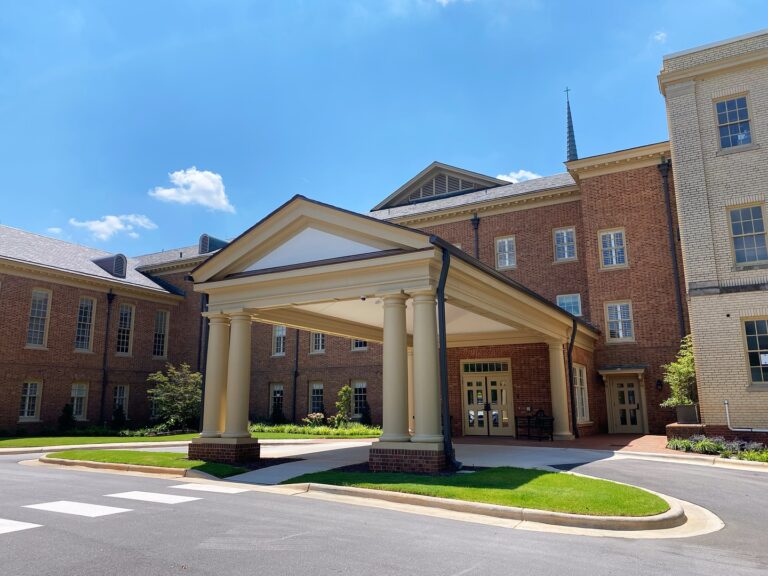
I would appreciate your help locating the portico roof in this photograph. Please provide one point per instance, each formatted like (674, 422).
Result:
(317, 267)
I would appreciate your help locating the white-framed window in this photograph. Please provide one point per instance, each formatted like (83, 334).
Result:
(565, 244)
(31, 392)
(39, 318)
(358, 344)
(79, 400)
(506, 253)
(85, 317)
(120, 398)
(733, 122)
(316, 397)
(359, 397)
(570, 303)
(580, 389)
(748, 234)
(613, 248)
(160, 341)
(316, 343)
(278, 340)
(756, 335)
(125, 319)
(277, 395)
(619, 321)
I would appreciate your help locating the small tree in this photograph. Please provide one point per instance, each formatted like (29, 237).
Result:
(680, 376)
(343, 408)
(365, 414)
(177, 395)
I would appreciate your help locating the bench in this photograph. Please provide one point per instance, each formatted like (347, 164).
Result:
(537, 426)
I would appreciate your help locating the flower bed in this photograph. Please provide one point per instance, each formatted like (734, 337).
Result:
(719, 446)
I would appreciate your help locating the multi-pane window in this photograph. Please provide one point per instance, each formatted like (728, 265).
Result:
(120, 399)
(757, 349)
(358, 344)
(276, 402)
(316, 400)
(580, 388)
(278, 341)
(570, 303)
(619, 319)
(360, 397)
(30, 401)
(748, 233)
(613, 248)
(733, 122)
(37, 329)
(125, 329)
(317, 343)
(160, 342)
(84, 330)
(79, 400)
(565, 244)
(506, 253)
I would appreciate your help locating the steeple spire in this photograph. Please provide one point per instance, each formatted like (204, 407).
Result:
(572, 153)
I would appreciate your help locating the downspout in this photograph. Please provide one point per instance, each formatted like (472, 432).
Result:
(105, 359)
(571, 383)
(295, 376)
(476, 225)
(447, 444)
(732, 429)
(664, 170)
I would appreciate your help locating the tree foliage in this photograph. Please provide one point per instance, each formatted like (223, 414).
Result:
(680, 376)
(177, 394)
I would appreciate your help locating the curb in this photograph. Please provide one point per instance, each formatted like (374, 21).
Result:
(672, 518)
(107, 446)
(180, 472)
(704, 459)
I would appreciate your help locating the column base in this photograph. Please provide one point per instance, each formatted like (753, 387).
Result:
(563, 436)
(420, 457)
(395, 438)
(225, 450)
(428, 438)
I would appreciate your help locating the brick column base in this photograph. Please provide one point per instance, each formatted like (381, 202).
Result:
(384, 459)
(684, 431)
(225, 450)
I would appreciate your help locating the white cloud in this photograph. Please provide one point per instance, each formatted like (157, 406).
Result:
(660, 37)
(519, 176)
(193, 186)
(54, 230)
(108, 226)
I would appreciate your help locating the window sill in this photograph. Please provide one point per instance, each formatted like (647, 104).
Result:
(763, 265)
(565, 261)
(317, 353)
(159, 357)
(505, 268)
(359, 349)
(123, 355)
(77, 351)
(29, 420)
(35, 347)
(585, 423)
(278, 355)
(612, 268)
(757, 388)
(735, 149)
(621, 341)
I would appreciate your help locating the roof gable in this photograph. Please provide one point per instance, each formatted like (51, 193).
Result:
(438, 180)
(305, 231)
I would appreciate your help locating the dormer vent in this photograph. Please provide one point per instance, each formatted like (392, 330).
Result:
(210, 244)
(116, 265)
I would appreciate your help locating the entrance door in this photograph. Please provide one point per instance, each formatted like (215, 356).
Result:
(627, 412)
(487, 399)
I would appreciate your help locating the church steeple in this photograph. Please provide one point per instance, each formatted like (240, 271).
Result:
(572, 152)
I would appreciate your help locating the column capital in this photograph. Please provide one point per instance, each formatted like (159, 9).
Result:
(240, 317)
(216, 317)
(424, 295)
(394, 299)
(552, 343)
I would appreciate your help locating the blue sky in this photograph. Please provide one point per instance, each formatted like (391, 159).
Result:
(136, 126)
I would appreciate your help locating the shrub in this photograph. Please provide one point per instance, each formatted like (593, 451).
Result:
(365, 414)
(67, 418)
(177, 395)
(680, 444)
(277, 416)
(314, 419)
(343, 408)
(717, 445)
(118, 418)
(680, 376)
(708, 446)
(754, 455)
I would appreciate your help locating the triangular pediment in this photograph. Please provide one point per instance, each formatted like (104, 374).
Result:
(304, 231)
(438, 180)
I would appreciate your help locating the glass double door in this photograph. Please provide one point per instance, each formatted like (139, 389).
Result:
(487, 405)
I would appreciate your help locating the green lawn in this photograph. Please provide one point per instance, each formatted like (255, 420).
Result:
(525, 488)
(165, 459)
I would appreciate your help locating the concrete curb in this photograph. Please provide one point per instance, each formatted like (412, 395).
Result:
(107, 446)
(180, 472)
(701, 459)
(672, 518)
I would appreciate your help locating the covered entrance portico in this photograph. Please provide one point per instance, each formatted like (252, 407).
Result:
(315, 267)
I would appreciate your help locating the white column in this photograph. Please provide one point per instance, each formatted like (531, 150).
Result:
(214, 408)
(238, 376)
(411, 421)
(395, 370)
(426, 387)
(559, 390)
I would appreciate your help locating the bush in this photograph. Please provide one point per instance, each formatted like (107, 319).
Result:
(718, 446)
(708, 446)
(754, 455)
(365, 414)
(277, 416)
(343, 408)
(349, 430)
(314, 419)
(67, 418)
(177, 396)
(118, 418)
(680, 444)
(680, 376)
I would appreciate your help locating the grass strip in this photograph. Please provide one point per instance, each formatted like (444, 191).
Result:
(506, 486)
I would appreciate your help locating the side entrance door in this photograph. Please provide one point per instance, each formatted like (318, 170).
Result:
(487, 400)
(625, 403)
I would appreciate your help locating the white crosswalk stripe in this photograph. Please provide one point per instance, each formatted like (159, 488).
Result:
(7, 526)
(153, 497)
(210, 488)
(78, 508)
